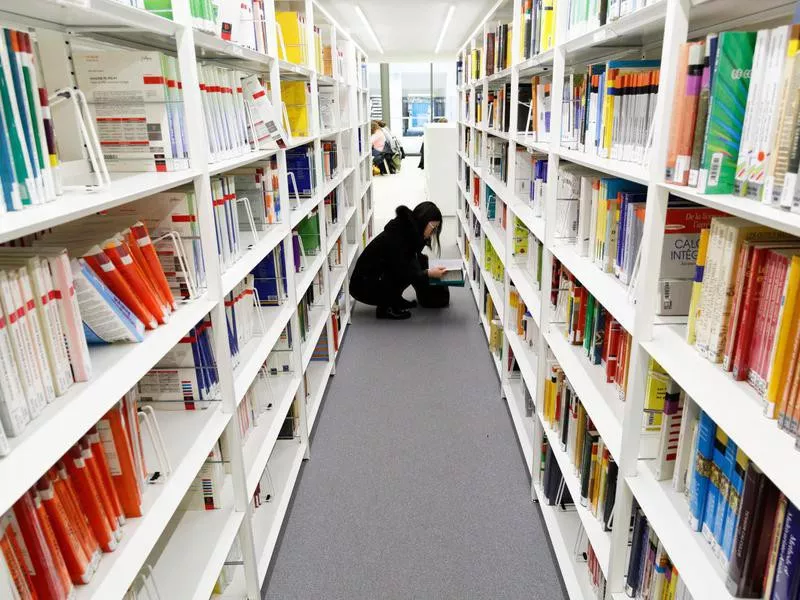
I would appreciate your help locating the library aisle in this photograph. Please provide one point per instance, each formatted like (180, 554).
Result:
(415, 488)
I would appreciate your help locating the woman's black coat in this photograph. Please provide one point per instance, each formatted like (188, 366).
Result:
(394, 254)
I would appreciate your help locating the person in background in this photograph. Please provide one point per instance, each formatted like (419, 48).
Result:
(394, 260)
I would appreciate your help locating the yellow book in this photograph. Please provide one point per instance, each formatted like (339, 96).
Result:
(697, 286)
(580, 431)
(654, 394)
(509, 37)
(318, 49)
(292, 28)
(548, 25)
(608, 113)
(295, 96)
(327, 61)
(787, 331)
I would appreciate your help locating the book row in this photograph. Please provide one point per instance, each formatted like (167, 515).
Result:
(738, 134)
(744, 311)
(587, 15)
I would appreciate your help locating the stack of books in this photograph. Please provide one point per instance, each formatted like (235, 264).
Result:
(530, 179)
(520, 319)
(498, 48)
(538, 27)
(527, 252)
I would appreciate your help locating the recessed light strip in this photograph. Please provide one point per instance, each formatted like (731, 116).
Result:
(447, 19)
(363, 18)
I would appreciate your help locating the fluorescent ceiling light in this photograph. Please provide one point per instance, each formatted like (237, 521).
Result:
(447, 19)
(363, 18)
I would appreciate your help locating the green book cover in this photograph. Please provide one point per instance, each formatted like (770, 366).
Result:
(726, 112)
(308, 229)
(588, 333)
(163, 8)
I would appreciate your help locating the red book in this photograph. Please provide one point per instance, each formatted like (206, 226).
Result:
(44, 574)
(771, 323)
(65, 490)
(746, 330)
(104, 472)
(88, 498)
(78, 564)
(105, 269)
(143, 243)
(13, 552)
(99, 483)
(742, 276)
(136, 280)
(614, 334)
(52, 543)
(119, 452)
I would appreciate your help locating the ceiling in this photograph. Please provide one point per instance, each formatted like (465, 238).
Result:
(408, 29)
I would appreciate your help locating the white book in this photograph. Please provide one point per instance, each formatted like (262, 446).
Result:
(128, 98)
(21, 343)
(14, 412)
(752, 115)
(714, 256)
(268, 131)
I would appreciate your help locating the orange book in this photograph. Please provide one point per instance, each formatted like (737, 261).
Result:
(690, 72)
(126, 267)
(102, 494)
(88, 497)
(145, 244)
(119, 452)
(102, 265)
(78, 564)
(141, 263)
(52, 543)
(788, 401)
(19, 575)
(43, 573)
(104, 472)
(25, 565)
(65, 491)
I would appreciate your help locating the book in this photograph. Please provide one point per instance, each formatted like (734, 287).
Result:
(454, 275)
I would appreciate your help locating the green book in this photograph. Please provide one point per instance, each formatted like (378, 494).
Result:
(588, 332)
(308, 229)
(726, 110)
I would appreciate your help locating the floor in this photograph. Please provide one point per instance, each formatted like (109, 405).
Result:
(416, 488)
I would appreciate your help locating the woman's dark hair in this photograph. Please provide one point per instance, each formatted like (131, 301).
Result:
(424, 213)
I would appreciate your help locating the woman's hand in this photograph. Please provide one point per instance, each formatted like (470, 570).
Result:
(437, 272)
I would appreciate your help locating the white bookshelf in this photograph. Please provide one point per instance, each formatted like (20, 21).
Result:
(653, 31)
(187, 549)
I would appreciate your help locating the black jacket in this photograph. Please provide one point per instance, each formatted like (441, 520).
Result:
(395, 252)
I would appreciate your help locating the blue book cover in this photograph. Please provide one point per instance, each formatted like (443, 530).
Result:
(491, 203)
(266, 276)
(734, 497)
(128, 326)
(298, 162)
(199, 372)
(723, 506)
(713, 495)
(633, 64)
(787, 572)
(702, 462)
(601, 93)
(207, 354)
(627, 199)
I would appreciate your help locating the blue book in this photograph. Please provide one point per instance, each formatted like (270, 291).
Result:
(270, 277)
(723, 506)
(734, 497)
(298, 162)
(106, 318)
(702, 467)
(633, 64)
(628, 198)
(714, 485)
(491, 203)
(787, 572)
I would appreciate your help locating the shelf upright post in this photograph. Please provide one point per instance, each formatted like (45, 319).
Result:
(545, 314)
(198, 152)
(675, 33)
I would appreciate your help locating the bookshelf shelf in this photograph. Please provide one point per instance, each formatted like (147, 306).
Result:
(255, 253)
(745, 208)
(524, 425)
(526, 357)
(494, 291)
(76, 204)
(116, 368)
(187, 565)
(656, 29)
(589, 381)
(276, 318)
(530, 295)
(318, 317)
(626, 170)
(668, 512)
(262, 440)
(734, 405)
(187, 550)
(189, 436)
(284, 466)
(318, 374)
(606, 288)
(563, 527)
(595, 531)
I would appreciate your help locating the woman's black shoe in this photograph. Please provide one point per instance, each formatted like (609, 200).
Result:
(388, 312)
(404, 304)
